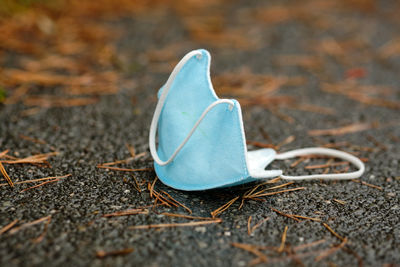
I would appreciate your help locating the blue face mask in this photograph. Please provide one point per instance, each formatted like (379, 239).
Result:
(201, 141)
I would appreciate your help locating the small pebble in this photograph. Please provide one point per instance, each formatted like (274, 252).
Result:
(200, 229)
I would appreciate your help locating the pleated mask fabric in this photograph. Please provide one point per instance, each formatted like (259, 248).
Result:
(201, 139)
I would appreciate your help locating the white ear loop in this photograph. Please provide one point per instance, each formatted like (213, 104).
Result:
(326, 152)
(160, 104)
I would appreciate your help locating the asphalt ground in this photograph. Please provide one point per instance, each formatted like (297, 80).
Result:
(344, 43)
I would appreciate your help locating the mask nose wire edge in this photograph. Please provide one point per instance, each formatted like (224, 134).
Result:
(160, 104)
(326, 152)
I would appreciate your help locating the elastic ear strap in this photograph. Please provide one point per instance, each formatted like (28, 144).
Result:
(325, 152)
(160, 104)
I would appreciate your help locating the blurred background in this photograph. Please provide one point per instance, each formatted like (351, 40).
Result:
(67, 52)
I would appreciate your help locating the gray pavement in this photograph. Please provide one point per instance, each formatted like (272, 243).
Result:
(88, 135)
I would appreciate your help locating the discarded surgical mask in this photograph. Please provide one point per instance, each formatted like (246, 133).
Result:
(201, 141)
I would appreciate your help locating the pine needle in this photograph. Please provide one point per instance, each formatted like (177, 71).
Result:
(34, 159)
(333, 232)
(124, 169)
(367, 184)
(294, 216)
(286, 215)
(8, 226)
(152, 186)
(26, 225)
(251, 230)
(261, 144)
(287, 141)
(131, 150)
(103, 165)
(248, 226)
(186, 216)
(102, 254)
(270, 188)
(168, 225)
(282, 246)
(43, 234)
(177, 202)
(3, 153)
(327, 165)
(35, 186)
(297, 162)
(126, 212)
(223, 207)
(304, 246)
(273, 181)
(136, 184)
(352, 128)
(330, 251)
(40, 179)
(339, 201)
(306, 218)
(277, 192)
(163, 199)
(252, 249)
(5, 175)
(34, 140)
